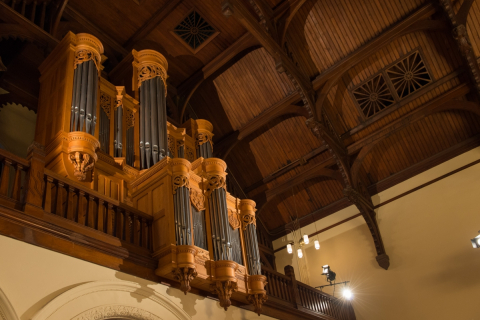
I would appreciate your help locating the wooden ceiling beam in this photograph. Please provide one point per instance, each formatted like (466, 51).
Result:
(460, 34)
(152, 23)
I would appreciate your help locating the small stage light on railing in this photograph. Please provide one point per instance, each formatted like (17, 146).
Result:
(317, 245)
(300, 253)
(328, 273)
(305, 239)
(346, 293)
(476, 241)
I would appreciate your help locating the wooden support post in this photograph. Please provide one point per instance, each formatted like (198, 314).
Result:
(289, 272)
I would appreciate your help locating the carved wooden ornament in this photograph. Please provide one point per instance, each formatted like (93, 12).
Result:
(233, 219)
(197, 199)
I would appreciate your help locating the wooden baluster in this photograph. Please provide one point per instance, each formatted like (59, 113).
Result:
(47, 202)
(17, 182)
(12, 5)
(59, 199)
(70, 204)
(110, 214)
(284, 291)
(34, 10)
(5, 177)
(91, 211)
(309, 299)
(120, 224)
(136, 226)
(150, 234)
(289, 272)
(100, 215)
(81, 208)
(143, 228)
(274, 285)
(42, 17)
(128, 227)
(287, 290)
(314, 298)
(24, 3)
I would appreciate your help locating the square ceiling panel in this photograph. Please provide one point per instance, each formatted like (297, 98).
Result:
(194, 32)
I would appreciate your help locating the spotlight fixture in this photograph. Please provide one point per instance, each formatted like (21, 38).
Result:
(476, 241)
(305, 239)
(317, 245)
(300, 253)
(329, 273)
(289, 248)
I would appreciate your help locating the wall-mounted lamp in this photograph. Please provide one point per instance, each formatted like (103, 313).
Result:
(328, 273)
(476, 241)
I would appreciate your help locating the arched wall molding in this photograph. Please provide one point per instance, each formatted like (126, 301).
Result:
(72, 298)
(116, 311)
(6, 309)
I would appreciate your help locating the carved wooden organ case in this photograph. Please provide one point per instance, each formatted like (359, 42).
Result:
(101, 137)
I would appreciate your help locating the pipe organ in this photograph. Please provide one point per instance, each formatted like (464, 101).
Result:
(202, 236)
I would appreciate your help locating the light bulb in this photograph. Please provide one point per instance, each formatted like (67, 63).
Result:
(478, 241)
(305, 239)
(317, 245)
(300, 253)
(347, 294)
(289, 248)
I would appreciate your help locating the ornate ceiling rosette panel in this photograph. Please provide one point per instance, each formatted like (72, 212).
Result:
(373, 96)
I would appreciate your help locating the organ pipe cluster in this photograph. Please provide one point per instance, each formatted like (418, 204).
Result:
(247, 211)
(181, 200)
(85, 84)
(151, 69)
(217, 202)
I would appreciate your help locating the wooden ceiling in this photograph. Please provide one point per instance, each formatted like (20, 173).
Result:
(328, 48)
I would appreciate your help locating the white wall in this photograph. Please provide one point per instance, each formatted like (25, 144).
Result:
(31, 277)
(434, 271)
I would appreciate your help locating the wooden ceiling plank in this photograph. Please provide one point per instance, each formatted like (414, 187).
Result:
(152, 23)
(73, 14)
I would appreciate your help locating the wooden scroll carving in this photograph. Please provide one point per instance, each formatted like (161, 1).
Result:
(150, 64)
(88, 48)
(180, 181)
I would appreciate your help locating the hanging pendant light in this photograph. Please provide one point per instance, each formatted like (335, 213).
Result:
(300, 253)
(289, 248)
(305, 239)
(317, 245)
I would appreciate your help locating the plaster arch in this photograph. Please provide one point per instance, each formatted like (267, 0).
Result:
(111, 299)
(6, 309)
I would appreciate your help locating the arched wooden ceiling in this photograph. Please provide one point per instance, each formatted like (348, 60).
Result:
(334, 46)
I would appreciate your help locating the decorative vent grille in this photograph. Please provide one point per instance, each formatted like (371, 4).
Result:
(194, 30)
(373, 96)
(409, 75)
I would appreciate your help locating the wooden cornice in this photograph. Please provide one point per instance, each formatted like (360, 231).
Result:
(73, 14)
(152, 23)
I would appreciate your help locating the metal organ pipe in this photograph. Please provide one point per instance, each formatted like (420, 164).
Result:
(181, 199)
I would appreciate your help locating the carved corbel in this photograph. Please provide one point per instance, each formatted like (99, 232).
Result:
(197, 199)
(224, 290)
(185, 270)
(81, 153)
(257, 296)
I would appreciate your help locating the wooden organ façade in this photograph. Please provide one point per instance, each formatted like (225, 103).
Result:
(124, 148)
